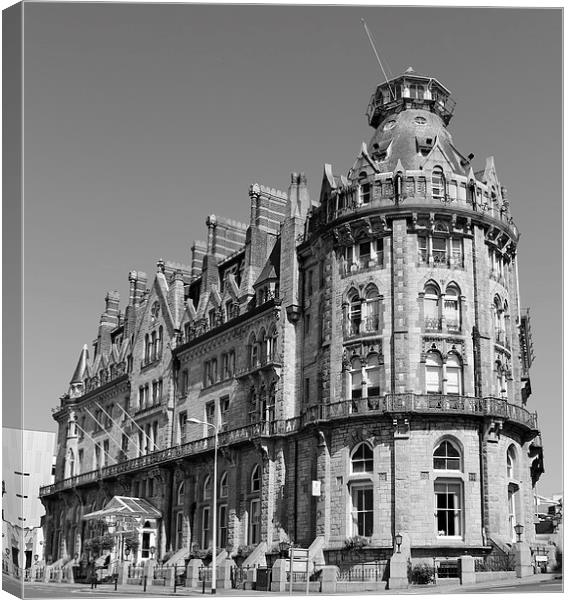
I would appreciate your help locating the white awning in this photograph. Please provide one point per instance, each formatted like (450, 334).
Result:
(126, 508)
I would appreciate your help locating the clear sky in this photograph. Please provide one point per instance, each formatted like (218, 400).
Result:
(142, 119)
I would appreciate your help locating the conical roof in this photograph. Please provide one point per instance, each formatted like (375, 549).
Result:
(79, 373)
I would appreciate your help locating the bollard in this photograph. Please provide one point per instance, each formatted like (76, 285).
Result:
(116, 580)
(175, 577)
(145, 578)
(203, 582)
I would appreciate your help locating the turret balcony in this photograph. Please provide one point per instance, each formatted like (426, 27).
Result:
(367, 326)
(434, 404)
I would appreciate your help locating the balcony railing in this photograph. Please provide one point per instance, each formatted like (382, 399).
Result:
(421, 403)
(502, 338)
(376, 405)
(433, 324)
(368, 325)
(263, 362)
(225, 438)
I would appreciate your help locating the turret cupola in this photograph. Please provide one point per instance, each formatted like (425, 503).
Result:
(409, 91)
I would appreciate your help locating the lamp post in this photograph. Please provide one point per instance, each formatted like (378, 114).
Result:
(214, 520)
(519, 528)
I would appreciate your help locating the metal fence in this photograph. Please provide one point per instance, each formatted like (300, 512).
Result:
(446, 569)
(363, 572)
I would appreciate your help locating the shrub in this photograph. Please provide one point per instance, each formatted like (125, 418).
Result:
(422, 574)
(355, 543)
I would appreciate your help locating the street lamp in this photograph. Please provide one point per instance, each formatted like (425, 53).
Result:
(519, 528)
(214, 523)
(398, 542)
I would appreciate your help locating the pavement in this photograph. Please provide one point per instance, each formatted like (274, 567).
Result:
(60, 590)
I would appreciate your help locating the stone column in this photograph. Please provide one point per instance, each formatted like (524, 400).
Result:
(329, 579)
(193, 572)
(122, 573)
(398, 564)
(522, 554)
(278, 583)
(467, 570)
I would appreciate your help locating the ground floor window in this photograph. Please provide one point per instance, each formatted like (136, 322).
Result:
(255, 521)
(362, 510)
(205, 527)
(448, 508)
(179, 530)
(145, 550)
(222, 542)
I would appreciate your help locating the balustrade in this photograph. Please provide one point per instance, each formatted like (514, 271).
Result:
(389, 403)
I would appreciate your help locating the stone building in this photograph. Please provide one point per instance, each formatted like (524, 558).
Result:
(364, 358)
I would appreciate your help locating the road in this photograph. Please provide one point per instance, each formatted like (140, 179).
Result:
(54, 591)
(541, 587)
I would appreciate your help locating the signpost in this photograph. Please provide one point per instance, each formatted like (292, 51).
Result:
(299, 563)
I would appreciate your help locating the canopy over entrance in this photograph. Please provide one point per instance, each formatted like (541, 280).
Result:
(125, 506)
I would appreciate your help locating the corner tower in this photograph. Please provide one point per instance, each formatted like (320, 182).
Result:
(417, 361)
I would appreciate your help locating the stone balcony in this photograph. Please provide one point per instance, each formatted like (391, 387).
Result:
(390, 404)
(440, 404)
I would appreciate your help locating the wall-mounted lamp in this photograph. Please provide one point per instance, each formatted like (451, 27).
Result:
(519, 529)
(398, 542)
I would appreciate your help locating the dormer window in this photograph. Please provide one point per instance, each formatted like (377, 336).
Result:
(437, 180)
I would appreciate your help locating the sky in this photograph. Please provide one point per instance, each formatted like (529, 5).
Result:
(140, 120)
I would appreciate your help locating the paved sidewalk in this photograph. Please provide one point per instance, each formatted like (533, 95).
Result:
(77, 590)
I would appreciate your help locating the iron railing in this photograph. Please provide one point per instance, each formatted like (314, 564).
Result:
(389, 403)
(421, 403)
(363, 572)
(366, 326)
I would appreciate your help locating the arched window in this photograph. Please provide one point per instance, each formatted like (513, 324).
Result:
(263, 403)
(159, 341)
(355, 312)
(362, 459)
(271, 342)
(438, 183)
(506, 324)
(153, 345)
(372, 374)
(262, 347)
(447, 457)
(371, 309)
(253, 411)
(431, 308)
(180, 494)
(433, 373)
(365, 188)
(511, 463)
(356, 380)
(271, 400)
(452, 308)
(498, 319)
(253, 352)
(206, 491)
(223, 488)
(255, 479)
(453, 375)
(500, 379)
(70, 463)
